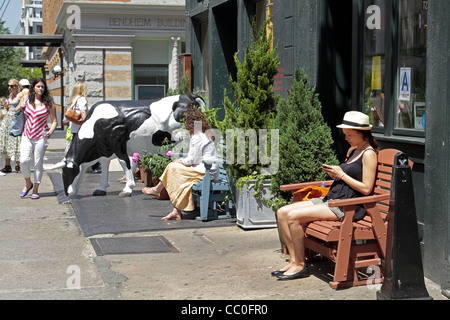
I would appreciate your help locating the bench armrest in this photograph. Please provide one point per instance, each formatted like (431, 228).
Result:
(359, 200)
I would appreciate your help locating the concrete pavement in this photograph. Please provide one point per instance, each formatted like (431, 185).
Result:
(44, 255)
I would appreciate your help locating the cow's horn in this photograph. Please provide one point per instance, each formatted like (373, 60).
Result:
(201, 103)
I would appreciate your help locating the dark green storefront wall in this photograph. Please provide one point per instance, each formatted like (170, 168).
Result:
(437, 160)
(318, 36)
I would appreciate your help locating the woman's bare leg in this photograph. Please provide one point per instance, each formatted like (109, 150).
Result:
(295, 219)
(283, 222)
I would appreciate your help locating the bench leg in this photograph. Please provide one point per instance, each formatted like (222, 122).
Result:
(342, 271)
(203, 208)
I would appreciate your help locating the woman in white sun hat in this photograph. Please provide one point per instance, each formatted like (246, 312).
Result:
(353, 178)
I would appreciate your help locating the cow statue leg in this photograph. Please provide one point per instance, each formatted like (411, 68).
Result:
(104, 177)
(130, 183)
(74, 187)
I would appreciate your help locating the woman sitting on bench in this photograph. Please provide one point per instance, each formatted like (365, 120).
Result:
(353, 178)
(179, 176)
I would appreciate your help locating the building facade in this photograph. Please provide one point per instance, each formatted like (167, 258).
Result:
(31, 23)
(123, 50)
(387, 58)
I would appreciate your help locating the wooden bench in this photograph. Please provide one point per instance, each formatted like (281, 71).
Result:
(353, 245)
(214, 197)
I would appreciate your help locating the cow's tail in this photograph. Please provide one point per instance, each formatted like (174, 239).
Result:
(59, 165)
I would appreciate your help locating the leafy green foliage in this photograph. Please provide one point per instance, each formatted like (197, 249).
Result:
(10, 67)
(9, 63)
(157, 163)
(305, 140)
(144, 160)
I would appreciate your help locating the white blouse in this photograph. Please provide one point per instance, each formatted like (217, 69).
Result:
(201, 147)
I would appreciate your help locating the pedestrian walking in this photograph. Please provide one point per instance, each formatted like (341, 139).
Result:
(9, 145)
(36, 134)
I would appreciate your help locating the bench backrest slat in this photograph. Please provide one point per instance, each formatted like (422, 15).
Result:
(386, 160)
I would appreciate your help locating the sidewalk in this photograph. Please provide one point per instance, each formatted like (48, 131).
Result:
(45, 255)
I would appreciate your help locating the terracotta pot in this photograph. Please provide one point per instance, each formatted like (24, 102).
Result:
(163, 195)
(141, 171)
(146, 177)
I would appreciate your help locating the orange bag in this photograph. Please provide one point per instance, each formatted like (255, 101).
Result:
(74, 114)
(310, 192)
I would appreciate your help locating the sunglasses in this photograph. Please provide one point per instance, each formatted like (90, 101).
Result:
(11, 85)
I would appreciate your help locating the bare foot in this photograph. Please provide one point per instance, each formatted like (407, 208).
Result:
(174, 215)
(150, 191)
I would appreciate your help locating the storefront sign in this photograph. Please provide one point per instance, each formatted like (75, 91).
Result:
(149, 23)
(405, 84)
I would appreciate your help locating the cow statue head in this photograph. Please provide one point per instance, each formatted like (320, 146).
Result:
(119, 129)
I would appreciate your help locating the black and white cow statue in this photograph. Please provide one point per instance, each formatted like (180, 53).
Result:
(120, 129)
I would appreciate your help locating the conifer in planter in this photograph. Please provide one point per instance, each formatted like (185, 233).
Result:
(305, 140)
(254, 107)
(255, 101)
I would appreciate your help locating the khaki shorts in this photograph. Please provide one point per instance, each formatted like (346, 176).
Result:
(336, 210)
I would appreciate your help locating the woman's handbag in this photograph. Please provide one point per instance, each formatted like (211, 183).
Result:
(74, 114)
(17, 124)
(310, 192)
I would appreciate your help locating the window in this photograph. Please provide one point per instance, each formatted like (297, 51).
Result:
(411, 76)
(150, 80)
(149, 92)
(269, 14)
(374, 51)
(393, 67)
(264, 11)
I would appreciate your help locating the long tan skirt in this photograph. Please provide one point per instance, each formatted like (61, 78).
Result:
(178, 181)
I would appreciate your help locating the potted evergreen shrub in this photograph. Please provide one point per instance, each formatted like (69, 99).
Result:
(305, 140)
(254, 109)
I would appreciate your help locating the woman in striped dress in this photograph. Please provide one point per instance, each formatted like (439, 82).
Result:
(36, 134)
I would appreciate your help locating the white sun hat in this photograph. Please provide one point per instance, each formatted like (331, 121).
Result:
(24, 82)
(355, 120)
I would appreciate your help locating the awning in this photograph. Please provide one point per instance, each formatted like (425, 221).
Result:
(33, 63)
(44, 40)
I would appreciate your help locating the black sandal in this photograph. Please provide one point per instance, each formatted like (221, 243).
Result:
(6, 169)
(18, 169)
